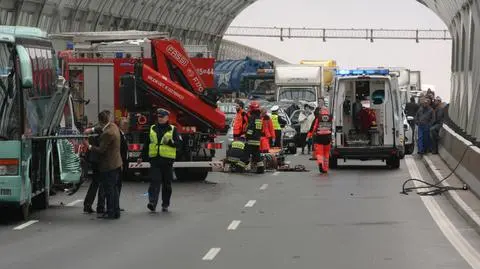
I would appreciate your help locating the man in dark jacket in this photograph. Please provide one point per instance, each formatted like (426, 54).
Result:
(424, 119)
(411, 108)
(95, 185)
(439, 116)
(123, 152)
(160, 149)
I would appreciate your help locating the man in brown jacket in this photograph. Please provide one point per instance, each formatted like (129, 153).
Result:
(110, 162)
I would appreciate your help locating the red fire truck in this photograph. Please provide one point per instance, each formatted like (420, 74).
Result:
(133, 78)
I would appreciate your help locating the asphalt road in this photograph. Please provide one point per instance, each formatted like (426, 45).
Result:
(353, 218)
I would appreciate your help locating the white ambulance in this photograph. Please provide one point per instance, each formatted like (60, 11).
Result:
(367, 112)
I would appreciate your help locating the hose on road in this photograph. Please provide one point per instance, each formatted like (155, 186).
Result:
(437, 188)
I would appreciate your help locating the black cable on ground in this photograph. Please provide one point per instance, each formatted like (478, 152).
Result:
(435, 189)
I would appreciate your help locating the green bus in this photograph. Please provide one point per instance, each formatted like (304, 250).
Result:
(35, 107)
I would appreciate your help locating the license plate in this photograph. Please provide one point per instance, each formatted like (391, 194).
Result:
(134, 154)
(139, 165)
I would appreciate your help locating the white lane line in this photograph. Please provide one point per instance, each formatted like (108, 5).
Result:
(263, 187)
(211, 254)
(250, 203)
(233, 225)
(454, 194)
(471, 256)
(276, 173)
(74, 202)
(25, 225)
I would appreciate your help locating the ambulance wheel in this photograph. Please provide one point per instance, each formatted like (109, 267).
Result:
(409, 149)
(333, 163)
(191, 174)
(394, 162)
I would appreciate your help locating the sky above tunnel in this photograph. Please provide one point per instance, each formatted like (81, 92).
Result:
(431, 57)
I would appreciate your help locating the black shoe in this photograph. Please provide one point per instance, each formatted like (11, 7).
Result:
(121, 209)
(88, 210)
(164, 209)
(151, 207)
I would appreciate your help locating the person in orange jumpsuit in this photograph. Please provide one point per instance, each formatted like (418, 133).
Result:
(322, 138)
(268, 133)
(240, 121)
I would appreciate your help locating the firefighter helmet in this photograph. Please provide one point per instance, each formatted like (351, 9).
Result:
(254, 106)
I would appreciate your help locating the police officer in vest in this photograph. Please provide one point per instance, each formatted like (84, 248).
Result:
(163, 141)
(278, 124)
(254, 133)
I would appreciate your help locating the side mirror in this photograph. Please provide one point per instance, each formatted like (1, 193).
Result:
(25, 67)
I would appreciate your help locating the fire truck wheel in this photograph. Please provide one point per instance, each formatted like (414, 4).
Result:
(189, 174)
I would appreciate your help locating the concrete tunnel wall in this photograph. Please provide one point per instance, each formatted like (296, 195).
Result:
(463, 20)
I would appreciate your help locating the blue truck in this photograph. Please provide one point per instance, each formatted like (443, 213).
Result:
(253, 78)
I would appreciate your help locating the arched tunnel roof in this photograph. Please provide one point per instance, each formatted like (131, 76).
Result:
(192, 21)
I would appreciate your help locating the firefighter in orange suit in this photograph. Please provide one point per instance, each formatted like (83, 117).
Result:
(321, 131)
(268, 133)
(240, 121)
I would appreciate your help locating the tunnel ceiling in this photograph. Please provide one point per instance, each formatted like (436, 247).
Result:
(192, 21)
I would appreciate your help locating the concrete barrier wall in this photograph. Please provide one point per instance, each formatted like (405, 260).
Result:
(452, 146)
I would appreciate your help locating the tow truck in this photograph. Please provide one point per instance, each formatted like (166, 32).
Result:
(133, 78)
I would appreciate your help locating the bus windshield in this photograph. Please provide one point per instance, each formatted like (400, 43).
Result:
(9, 123)
(300, 94)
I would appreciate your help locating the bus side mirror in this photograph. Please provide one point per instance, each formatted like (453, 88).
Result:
(25, 67)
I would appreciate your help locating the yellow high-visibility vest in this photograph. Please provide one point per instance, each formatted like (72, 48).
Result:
(276, 123)
(155, 149)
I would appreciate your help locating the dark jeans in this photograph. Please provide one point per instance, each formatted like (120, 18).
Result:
(434, 136)
(278, 138)
(303, 141)
(423, 138)
(161, 175)
(95, 186)
(109, 181)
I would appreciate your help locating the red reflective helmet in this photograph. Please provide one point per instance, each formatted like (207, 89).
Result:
(253, 106)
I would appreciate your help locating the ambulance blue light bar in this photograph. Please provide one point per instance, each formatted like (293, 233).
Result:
(363, 72)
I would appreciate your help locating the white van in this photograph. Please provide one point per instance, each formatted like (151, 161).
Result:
(372, 127)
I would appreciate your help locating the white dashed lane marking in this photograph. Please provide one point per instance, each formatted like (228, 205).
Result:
(233, 225)
(74, 202)
(25, 225)
(263, 187)
(250, 203)
(211, 254)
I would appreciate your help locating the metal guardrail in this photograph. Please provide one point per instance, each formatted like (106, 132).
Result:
(338, 33)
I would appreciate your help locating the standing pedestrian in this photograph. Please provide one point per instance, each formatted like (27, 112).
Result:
(93, 159)
(110, 162)
(124, 153)
(322, 131)
(306, 119)
(438, 118)
(240, 121)
(163, 141)
(424, 118)
(278, 124)
(253, 135)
